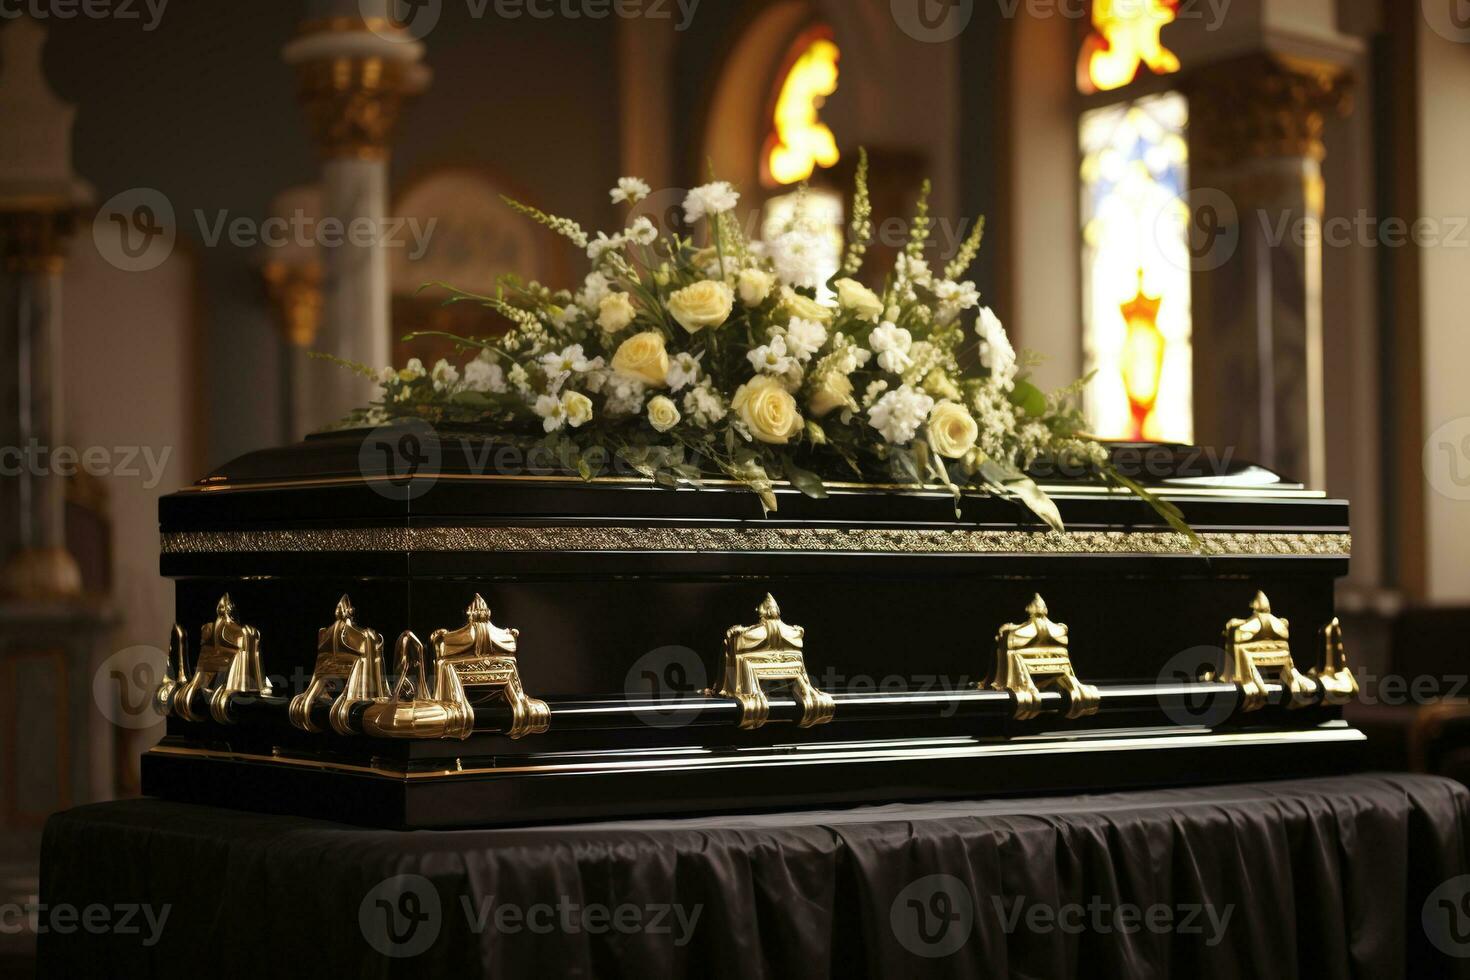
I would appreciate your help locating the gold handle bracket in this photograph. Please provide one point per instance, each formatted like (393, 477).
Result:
(1258, 649)
(229, 663)
(346, 654)
(1034, 654)
(1339, 686)
(770, 651)
(176, 671)
(478, 655)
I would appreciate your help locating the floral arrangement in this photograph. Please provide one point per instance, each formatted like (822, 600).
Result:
(710, 355)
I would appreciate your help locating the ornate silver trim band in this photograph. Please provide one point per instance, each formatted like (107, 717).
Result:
(585, 538)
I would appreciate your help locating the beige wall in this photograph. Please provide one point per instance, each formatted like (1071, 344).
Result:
(1444, 92)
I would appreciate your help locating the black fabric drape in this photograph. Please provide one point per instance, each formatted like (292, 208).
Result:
(1320, 878)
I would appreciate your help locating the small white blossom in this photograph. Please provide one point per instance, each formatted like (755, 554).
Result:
(683, 371)
(387, 376)
(804, 338)
(594, 288)
(519, 379)
(704, 405)
(874, 389)
(891, 343)
(445, 375)
(571, 408)
(996, 352)
(625, 395)
(772, 358)
(899, 413)
(630, 189)
(708, 200)
(559, 365)
(483, 374)
(642, 231)
(954, 298)
(798, 256)
(412, 371)
(602, 244)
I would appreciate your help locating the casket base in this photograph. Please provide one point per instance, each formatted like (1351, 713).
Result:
(560, 787)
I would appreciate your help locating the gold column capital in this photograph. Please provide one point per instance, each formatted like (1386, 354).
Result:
(353, 102)
(295, 290)
(1263, 106)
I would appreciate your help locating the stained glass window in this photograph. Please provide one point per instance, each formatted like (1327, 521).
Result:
(1135, 269)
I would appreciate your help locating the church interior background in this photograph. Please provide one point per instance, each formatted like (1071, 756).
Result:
(1246, 220)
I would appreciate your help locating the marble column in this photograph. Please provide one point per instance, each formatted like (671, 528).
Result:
(40, 200)
(354, 75)
(1257, 193)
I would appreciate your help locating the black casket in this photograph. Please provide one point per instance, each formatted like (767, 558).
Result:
(615, 648)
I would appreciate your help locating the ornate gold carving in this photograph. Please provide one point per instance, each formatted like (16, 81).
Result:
(175, 671)
(1034, 654)
(296, 291)
(770, 651)
(229, 663)
(1262, 106)
(1339, 686)
(1260, 647)
(477, 655)
(353, 104)
(349, 654)
(756, 538)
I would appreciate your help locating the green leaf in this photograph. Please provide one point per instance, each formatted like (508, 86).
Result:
(1171, 514)
(806, 481)
(815, 434)
(1029, 399)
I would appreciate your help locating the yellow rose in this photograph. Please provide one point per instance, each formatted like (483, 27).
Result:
(643, 356)
(862, 301)
(663, 415)
(798, 305)
(578, 408)
(615, 312)
(704, 304)
(832, 390)
(767, 409)
(952, 432)
(755, 286)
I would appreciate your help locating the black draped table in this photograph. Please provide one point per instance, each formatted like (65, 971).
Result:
(1362, 876)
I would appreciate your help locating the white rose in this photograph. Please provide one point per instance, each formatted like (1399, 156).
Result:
(615, 311)
(663, 414)
(832, 390)
(755, 286)
(768, 410)
(952, 432)
(862, 301)
(704, 304)
(643, 358)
